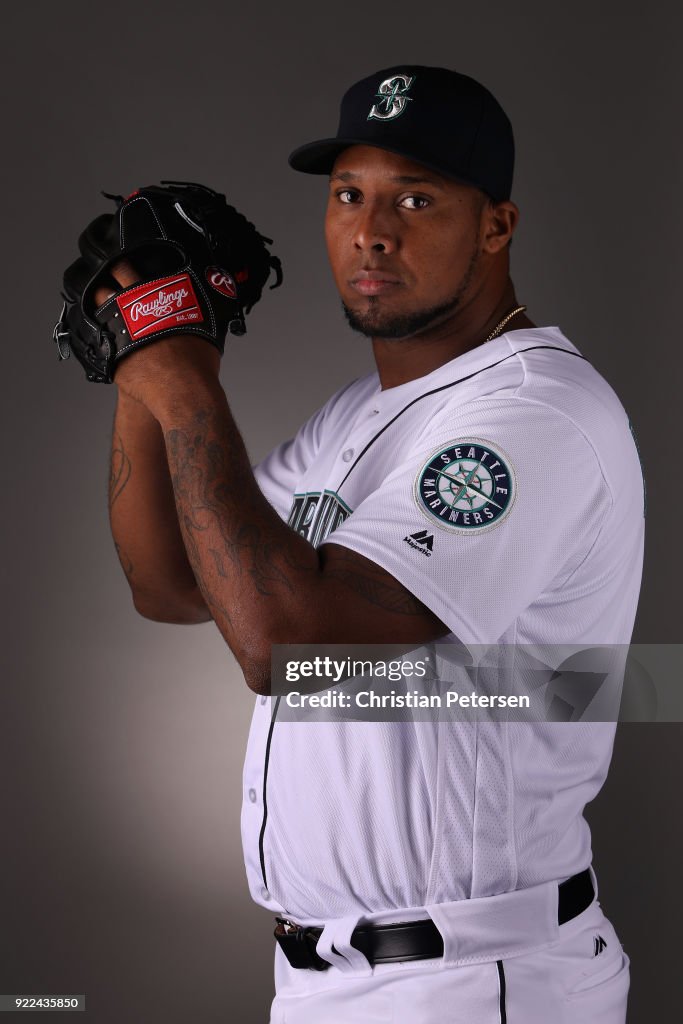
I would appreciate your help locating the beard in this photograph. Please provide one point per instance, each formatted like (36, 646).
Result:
(376, 322)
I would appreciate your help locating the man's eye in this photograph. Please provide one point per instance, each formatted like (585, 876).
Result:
(348, 195)
(414, 202)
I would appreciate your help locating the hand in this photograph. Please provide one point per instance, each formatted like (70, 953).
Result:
(169, 363)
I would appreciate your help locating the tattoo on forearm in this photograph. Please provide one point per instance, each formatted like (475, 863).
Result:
(206, 482)
(373, 584)
(194, 558)
(210, 482)
(120, 470)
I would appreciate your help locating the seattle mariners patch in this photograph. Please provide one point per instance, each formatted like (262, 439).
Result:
(466, 486)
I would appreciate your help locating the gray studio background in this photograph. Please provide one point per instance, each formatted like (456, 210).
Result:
(121, 871)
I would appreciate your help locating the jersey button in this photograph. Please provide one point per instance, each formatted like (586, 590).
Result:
(252, 795)
(348, 455)
(265, 893)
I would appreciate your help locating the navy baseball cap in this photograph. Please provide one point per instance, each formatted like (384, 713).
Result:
(447, 121)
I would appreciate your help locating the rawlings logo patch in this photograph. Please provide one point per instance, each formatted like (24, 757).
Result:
(221, 281)
(169, 302)
(467, 486)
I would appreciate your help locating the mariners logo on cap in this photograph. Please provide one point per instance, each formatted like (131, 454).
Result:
(468, 485)
(392, 98)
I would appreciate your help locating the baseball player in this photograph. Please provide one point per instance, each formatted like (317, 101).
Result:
(481, 487)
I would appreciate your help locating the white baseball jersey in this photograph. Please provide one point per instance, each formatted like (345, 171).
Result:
(504, 490)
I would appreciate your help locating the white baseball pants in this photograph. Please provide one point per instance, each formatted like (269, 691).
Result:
(581, 978)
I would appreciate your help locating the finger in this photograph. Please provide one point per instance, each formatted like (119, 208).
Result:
(124, 273)
(102, 294)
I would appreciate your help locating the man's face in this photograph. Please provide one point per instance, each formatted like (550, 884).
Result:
(403, 242)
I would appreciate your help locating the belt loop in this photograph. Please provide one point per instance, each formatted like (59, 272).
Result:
(495, 927)
(346, 957)
(595, 880)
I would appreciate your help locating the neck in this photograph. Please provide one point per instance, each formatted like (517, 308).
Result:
(401, 360)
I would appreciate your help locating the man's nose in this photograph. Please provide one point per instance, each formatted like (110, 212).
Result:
(375, 230)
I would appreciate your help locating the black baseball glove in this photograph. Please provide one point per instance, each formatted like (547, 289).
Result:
(200, 264)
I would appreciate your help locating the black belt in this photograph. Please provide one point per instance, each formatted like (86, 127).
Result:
(409, 940)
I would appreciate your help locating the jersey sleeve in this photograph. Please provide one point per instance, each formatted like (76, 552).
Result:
(280, 472)
(493, 506)
(277, 474)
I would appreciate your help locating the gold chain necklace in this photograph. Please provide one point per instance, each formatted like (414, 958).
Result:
(502, 323)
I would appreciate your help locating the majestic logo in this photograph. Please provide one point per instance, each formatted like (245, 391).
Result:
(392, 98)
(468, 485)
(221, 281)
(168, 303)
(315, 516)
(422, 541)
(598, 945)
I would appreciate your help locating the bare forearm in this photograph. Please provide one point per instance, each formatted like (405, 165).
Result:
(253, 570)
(144, 520)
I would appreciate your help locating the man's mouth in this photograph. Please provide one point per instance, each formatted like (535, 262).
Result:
(374, 282)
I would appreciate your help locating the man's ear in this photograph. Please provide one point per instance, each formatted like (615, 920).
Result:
(500, 221)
